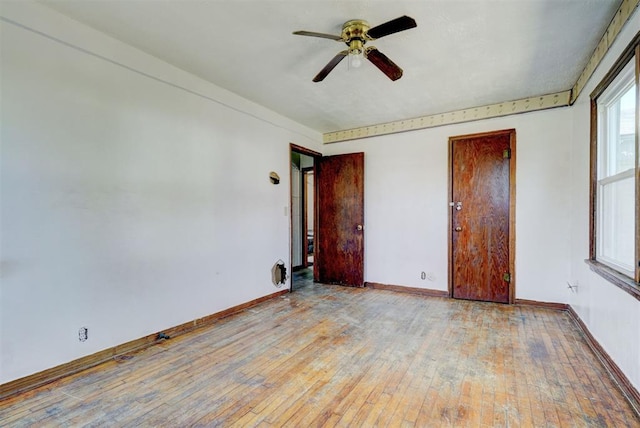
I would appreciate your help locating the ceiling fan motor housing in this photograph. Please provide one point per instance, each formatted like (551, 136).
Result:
(354, 34)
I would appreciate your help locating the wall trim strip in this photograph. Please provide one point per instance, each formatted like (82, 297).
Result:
(618, 21)
(506, 108)
(36, 380)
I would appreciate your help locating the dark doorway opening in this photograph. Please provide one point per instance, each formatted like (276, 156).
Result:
(303, 215)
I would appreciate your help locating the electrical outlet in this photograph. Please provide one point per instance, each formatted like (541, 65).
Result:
(83, 334)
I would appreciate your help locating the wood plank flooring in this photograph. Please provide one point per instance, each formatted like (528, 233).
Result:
(336, 356)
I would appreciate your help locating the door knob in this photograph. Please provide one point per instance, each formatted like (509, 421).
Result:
(458, 229)
(359, 227)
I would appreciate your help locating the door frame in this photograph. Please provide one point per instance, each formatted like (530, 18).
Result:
(512, 206)
(315, 155)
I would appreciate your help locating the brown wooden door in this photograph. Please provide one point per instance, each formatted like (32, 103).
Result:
(481, 190)
(340, 225)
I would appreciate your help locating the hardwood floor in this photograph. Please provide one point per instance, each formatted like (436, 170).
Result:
(331, 355)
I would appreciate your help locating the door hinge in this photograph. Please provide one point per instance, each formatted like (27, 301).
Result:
(506, 154)
(507, 277)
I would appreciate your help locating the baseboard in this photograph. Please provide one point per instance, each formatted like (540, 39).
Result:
(402, 289)
(547, 305)
(41, 378)
(630, 392)
(47, 376)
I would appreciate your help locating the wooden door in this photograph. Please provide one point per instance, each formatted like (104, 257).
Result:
(482, 191)
(340, 225)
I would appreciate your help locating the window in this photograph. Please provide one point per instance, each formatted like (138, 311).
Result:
(615, 187)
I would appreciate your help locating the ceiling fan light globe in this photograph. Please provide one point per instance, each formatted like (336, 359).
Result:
(356, 60)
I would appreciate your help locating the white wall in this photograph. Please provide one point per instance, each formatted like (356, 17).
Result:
(406, 203)
(612, 315)
(135, 196)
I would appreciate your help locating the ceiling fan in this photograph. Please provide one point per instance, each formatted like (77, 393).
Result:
(356, 33)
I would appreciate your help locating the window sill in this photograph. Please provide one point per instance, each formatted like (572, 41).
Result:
(616, 278)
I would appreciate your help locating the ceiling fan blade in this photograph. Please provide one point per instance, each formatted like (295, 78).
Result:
(330, 66)
(323, 35)
(383, 62)
(393, 26)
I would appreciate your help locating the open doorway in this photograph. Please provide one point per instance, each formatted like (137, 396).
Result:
(308, 204)
(303, 216)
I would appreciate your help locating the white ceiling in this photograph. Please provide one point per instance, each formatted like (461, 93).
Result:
(464, 53)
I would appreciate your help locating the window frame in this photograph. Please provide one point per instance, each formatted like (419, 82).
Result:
(620, 278)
